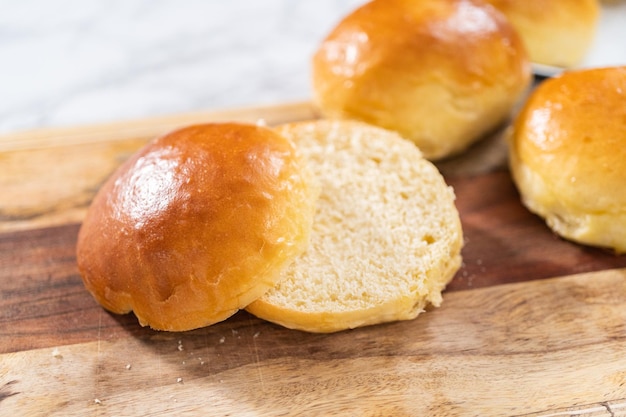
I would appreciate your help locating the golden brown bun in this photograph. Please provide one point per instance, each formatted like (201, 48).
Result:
(555, 32)
(386, 237)
(568, 155)
(440, 72)
(197, 225)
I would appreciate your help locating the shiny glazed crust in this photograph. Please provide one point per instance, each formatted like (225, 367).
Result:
(440, 72)
(197, 225)
(568, 153)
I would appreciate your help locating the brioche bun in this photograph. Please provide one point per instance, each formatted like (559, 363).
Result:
(555, 32)
(197, 225)
(568, 155)
(442, 73)
(386, 236)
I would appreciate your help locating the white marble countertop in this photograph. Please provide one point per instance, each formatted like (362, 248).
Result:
(69, 62)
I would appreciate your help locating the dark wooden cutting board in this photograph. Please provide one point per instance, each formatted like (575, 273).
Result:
(531, 324)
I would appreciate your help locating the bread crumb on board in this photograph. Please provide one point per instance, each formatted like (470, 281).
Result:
(56, 353)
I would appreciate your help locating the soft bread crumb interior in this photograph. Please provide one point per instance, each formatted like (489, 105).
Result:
(386, 227)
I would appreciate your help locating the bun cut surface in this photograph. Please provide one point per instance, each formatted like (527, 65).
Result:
(386, 236)
(197, 225)
(442, 73)
(568, 155)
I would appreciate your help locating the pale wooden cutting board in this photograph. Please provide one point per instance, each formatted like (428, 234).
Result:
(531, 325)
(553, 347)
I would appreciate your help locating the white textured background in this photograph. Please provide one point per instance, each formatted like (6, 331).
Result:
(67, 62)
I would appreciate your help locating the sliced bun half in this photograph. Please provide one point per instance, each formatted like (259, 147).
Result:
(197, 225)
(386, 236)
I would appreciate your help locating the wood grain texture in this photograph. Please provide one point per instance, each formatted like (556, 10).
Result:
(504, 242)
(532, 348)
(510, 338)
(43, 301)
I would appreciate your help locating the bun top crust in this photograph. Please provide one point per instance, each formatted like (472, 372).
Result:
(440, 72)
(555, 32)
(460, 39)
(572, 133)
(197, 225)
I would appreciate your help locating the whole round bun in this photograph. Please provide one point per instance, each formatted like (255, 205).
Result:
(442, 73)
(386, 236)
(555, 32)
(568, 155)
(196, 225)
